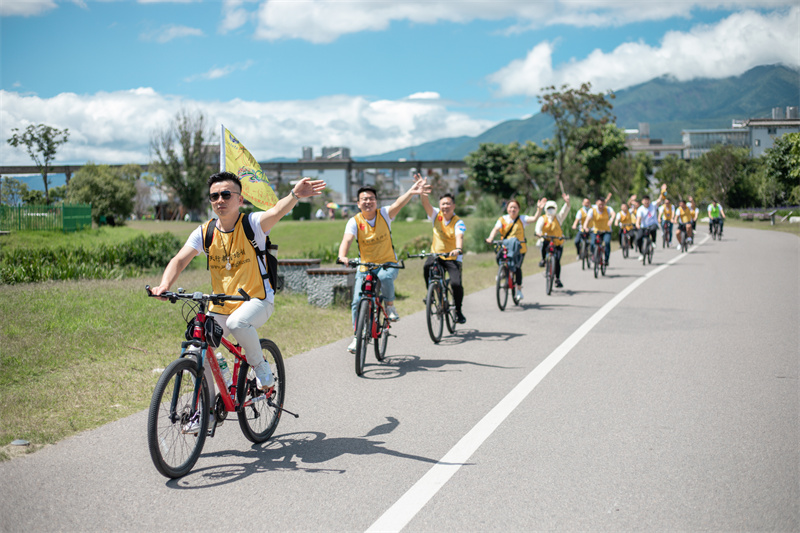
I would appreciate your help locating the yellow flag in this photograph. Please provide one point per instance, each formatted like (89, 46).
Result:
(235, 158)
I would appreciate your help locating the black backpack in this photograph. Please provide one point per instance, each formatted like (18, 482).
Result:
(263, 255)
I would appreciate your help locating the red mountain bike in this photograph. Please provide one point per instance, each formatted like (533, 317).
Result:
(181, 408)
(505, 277)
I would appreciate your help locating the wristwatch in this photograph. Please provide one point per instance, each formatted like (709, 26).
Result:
(293, 194)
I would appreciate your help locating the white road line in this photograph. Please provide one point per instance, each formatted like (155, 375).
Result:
(406, 508)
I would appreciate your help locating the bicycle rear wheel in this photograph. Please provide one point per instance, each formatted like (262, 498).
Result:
(502, 287)
(434, 312)
(259, 413)
(174, 452)
(363, 334)
(383, 336)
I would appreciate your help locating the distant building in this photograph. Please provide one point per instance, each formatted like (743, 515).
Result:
(699, 142)
(764, 131)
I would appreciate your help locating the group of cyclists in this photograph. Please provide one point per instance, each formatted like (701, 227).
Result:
(235, 262)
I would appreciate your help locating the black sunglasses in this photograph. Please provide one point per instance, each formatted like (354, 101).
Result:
(226, 195)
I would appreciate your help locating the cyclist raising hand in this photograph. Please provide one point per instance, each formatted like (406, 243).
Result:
(448, 238)
(371, 230)
(549, 228)
(235, 264)
(599, 218)
(512, 231)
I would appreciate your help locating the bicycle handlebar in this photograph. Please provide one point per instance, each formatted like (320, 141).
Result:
(357, 262)
(199, 296)
(428, 254)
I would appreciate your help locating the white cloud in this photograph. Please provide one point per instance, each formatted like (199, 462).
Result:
(169, 32)
(424, 95)
(25, 8)
(323, 21)
(234, 14)
(116, 127)
(221, 72)
(729, 48)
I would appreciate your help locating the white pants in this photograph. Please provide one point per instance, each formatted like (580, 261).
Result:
(243, 324)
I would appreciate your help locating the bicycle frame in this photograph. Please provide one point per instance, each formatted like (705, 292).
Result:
(504, 262)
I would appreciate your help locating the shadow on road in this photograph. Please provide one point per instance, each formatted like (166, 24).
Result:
(294, 452)
(396, 366)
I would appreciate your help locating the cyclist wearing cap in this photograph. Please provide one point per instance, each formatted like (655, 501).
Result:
(599, 219)
(512, 230)
(371, 230)
(234, 264)
(448, 238)
(549, 228)
(647, 218)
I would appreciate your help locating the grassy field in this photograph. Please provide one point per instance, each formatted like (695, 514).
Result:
(76, 355)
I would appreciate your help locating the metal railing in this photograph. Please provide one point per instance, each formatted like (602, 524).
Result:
(45, 217)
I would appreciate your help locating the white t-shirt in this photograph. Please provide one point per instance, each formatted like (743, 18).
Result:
(524, 219)
(649, 215)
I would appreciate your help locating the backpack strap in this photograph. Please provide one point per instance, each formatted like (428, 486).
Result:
(209, 236)
(270, 261)
(510, 228)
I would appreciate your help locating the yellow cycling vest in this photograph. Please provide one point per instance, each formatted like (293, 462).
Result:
(667, 213)
(626, 219)
(600, 222)
(517, 230)
(245, 272)
(685, 215)
(551, 229)
(374, 243)
(444, 236)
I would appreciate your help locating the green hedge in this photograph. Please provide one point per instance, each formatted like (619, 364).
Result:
(127, 259)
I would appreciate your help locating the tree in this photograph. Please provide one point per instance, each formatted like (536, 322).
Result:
(722, 173)
(580, 116)
(181, 158)
(779, 181)
(674, 172)
(41, 142)
(488, 167)
(597, 155)
(531, 171)
(108, 190)
(11, 191)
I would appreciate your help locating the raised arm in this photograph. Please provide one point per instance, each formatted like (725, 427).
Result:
(420, 187)
(305, 188)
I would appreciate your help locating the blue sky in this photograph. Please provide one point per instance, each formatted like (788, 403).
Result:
(372, 75)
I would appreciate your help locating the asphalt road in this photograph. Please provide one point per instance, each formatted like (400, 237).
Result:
(621, 403)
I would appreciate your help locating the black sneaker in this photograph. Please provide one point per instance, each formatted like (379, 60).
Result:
(541, 263)
(460, 319)
(559, 284)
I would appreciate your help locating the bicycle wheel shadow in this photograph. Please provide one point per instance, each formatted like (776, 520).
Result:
(304, 452)
(397, 366)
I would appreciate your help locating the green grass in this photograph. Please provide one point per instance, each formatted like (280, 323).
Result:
(784, 227)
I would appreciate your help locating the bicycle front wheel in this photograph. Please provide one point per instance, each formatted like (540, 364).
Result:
(383, 336)
(502, 287)
(450, 310)
(548, 274)
(363, 334)
(174, 451)
(260, 413)
(434, 312)
(625, 246)
(584, 255)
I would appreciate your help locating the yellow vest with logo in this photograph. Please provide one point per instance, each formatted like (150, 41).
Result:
(374, 243)
(444, 236)
(551, 229)
(626, 219)
(600, 221)
(667, 213)
(685, 215)
(518, 231)
(245, 272)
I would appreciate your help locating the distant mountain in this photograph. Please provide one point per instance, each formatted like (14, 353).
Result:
(668, 105)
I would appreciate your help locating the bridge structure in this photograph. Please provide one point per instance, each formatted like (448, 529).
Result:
(355, 172)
